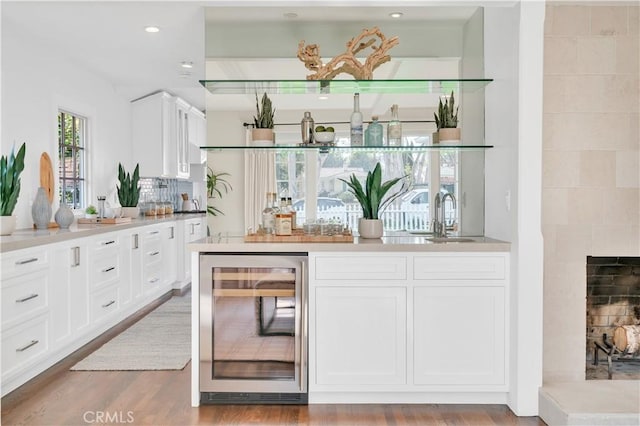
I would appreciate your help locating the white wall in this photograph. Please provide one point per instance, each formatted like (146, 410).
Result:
(35, 83)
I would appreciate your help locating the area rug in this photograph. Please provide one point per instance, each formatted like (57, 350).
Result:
(159, 341)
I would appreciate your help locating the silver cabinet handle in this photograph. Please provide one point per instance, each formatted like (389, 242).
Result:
(154, 280)
(104, 243)
(154, 253)
(135, 241)
(109, 304)
(172, 234)
(29, 297)
(24, 262)
(153, 232)
(303, 326)
(111, 268)
(27, 346)
(76, 256)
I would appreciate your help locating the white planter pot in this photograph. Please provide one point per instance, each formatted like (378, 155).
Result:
(7, 225)
(370, 228)
(132, 212)
(449, 136)
(262, 137)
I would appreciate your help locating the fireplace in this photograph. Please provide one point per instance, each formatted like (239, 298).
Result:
(613, 309)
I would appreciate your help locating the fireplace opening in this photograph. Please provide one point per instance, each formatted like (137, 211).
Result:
(613, 318)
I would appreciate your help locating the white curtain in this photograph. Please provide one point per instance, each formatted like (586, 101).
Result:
(260, 178)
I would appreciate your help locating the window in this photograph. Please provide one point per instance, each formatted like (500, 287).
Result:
(72, 135)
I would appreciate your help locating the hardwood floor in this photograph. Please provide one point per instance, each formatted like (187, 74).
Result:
(63, 397)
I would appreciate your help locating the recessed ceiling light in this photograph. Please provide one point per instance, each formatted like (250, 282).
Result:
(186, 64)
(290, 15)
(396, 14)
(152, 29)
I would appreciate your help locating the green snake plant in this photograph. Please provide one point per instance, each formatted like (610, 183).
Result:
(264, 114)
(447, 117)
(373, 196)
(10, 169)
(128, 191)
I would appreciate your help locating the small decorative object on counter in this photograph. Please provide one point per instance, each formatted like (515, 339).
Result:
(64, 216)
(356, 122)
(447, 121)
(269, 214)
(10, 169)
(101, 211)
(41, 209)
(394, 128)
(373, 199)
(90, 212)
(373, 134)
(306, 125)
(283, 224)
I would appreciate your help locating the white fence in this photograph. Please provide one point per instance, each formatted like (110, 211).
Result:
(410, 218)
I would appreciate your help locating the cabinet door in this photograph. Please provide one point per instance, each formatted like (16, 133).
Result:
(360, 335)
(169, 254)
(181, 135)
(459, 335)
(151, 134)
(197, 136)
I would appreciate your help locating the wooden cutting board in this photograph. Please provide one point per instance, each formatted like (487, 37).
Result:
(46, 176)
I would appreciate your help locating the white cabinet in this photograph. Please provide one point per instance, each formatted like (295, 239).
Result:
(170, 253)
(197, 136)
(132, 264)
(191, 230)
(360, 336)
(392, 326)
(151, 259)
(160, 125)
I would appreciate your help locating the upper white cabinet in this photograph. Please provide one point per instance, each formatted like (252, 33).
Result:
(161, 135)
(197, 136)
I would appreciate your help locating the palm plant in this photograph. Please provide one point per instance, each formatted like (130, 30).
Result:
(373, 196)
(216, 183)
(264, 114)
(446, 117)
(10, 169)
(128, 191)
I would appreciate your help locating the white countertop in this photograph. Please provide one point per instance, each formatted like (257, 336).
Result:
(26, 238)
(398, 242)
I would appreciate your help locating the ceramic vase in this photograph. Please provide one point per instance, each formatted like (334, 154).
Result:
(370, 228)
(262, 137)
(7, 225)
(64, 216)
(132, 212)
(450, 136)
(41, 210)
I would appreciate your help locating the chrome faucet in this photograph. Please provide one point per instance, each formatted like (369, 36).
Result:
(439, 220)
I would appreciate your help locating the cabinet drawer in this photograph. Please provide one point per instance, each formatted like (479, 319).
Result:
(152, 275)
(448, 267)
(23, 296)
(24, 343)
(24, 261)
(104, 269)
(151, 235)
(104, 244)
(152, 253)
(104, 302)
(361, 268)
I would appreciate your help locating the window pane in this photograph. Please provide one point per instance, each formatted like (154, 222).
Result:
(71, 158)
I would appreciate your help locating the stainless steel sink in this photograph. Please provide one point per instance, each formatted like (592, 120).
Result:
(450, 240)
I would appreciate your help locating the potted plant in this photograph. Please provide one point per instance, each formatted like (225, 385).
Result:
(216, 183)
(129, 191)
(447, 121)
(262, 133)
(373, 199)
(10, 169)
(90, 212)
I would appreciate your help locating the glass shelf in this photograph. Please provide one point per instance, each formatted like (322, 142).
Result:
(299, 87)
(327, 148)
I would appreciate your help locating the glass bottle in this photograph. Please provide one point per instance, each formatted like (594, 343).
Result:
(394, 128)
(356, 122)
(373, 134)
(269, 214)
(293, 212)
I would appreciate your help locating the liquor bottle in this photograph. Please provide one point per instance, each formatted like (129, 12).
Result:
(269, 214)
(373, 134)
(293, 212)
(356, 122)
(394, 128)
(283, 219)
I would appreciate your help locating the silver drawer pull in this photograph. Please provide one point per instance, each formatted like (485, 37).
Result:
(109, 304)
(104, 243)
(154, 253)
(109, 269)
(24, 299)
(197, 224)
(154, 232)
(27, 346)
(154, 280)
(24, 262)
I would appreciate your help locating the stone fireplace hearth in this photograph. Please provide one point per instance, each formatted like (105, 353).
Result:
(613, 300)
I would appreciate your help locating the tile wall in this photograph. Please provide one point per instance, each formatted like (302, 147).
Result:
(591, 177)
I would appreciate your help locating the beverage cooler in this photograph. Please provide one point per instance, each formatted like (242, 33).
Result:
(253, 328)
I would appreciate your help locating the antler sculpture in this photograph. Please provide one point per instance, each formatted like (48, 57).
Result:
(347, 61)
